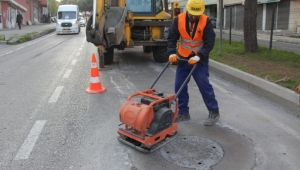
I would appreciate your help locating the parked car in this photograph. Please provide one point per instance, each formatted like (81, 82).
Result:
(82, 21)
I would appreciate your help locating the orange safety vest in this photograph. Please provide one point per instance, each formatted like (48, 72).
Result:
(188, 45)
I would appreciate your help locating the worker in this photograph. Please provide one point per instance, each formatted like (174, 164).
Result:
(197, 38)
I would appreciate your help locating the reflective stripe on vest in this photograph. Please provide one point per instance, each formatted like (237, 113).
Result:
(188, 45)
(184, 43)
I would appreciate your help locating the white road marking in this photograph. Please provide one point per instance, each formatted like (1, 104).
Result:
(19, 48)
(80, 49)
(29, 143)
(73, 62)
(32, 42)
(67, 74)
(56, 94)
(78, 54)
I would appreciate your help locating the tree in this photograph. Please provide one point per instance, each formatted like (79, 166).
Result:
(52, 7)
(250, 33)
(85, 5)
(65, 2)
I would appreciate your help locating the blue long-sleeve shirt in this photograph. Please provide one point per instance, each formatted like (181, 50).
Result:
(208, 38)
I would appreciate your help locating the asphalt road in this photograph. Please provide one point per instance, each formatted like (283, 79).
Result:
(48, 121)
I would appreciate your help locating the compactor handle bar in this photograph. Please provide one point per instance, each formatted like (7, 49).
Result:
(184, 83)
(160, 75)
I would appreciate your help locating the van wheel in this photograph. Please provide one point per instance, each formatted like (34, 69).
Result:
(109, 56)
(160, 54)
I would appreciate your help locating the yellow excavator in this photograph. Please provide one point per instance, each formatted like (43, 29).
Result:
(120, 24)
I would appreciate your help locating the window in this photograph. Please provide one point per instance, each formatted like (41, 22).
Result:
(139, 5)
(66, 15)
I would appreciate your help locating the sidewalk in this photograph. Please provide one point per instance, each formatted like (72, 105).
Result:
(10, 36)
(279, 36)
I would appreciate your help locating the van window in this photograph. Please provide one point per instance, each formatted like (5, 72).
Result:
(67, 15)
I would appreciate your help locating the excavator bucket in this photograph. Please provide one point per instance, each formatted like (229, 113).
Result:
(110, 30)
(114, 26)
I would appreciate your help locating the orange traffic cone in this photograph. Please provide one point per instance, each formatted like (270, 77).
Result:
(298, 88)
(95, 84)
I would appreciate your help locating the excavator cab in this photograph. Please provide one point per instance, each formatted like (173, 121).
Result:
(120, 24)
(144, 7)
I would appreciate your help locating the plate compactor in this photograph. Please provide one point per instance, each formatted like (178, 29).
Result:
(149, 123)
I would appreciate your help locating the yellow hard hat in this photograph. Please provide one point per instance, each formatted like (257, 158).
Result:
(195, 7)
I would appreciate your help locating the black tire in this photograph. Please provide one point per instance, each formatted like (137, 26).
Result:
(160, 54)
(109, 56)
(147, 49)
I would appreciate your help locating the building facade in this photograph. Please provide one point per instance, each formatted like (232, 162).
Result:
(31, 10)
(286, 14)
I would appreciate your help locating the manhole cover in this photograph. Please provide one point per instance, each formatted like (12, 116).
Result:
(193, 152)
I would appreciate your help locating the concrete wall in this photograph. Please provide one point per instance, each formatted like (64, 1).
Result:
(226, 2)
(4, 6)
(211, 2)
(294, 18)
(26, 15)
(287, 16)
(34, 9)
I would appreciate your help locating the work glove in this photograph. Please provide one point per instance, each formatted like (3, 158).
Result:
(173, 58)
(194, 60)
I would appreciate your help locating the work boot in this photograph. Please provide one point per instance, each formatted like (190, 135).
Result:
(213, 117)
(182, 117)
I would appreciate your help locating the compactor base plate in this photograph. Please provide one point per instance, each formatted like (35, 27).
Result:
(132, 143)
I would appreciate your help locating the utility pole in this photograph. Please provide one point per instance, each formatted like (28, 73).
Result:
(220, 23)
(50, 7)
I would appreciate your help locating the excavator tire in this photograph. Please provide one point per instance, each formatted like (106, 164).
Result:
(147, 49)
(109, 56)
(160, 54)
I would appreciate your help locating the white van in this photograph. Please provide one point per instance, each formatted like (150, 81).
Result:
(67, 19)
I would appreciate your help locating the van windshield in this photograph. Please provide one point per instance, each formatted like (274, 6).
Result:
(66, 15)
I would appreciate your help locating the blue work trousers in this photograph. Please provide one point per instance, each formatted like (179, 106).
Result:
(200, 76)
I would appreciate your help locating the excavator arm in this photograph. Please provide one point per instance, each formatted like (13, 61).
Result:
(106, 28)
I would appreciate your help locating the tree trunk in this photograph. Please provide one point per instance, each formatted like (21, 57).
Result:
(250, 34)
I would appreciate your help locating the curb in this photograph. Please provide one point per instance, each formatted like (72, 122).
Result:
(32, 37)
(283, 97)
